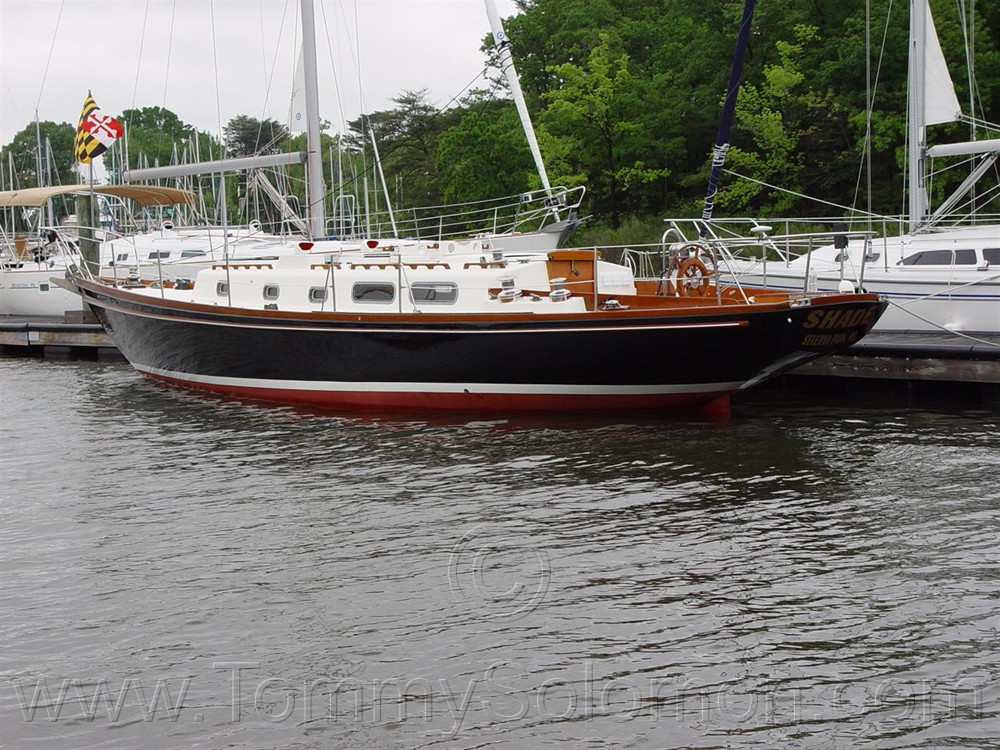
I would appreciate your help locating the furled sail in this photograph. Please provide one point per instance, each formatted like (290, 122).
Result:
(728, 113)
(940, 102)
(297, 106)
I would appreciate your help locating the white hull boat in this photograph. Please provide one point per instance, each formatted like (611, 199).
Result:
(938, 281)
(939, 272)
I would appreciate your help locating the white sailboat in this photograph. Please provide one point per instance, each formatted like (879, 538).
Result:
(534, 221)
(139, 247)
(939, 273)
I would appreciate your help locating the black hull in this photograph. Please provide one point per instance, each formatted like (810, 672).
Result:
(477, 363)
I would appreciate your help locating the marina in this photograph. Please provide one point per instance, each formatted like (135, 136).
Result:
(352, 429)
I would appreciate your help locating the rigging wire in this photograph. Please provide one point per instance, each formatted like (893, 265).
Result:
(357, 54)
(796, 194)
(333, 64)
(868, 97)
(142, 42)
(871, 106)
(269, 81)
(336, 178)
(166, 73)
(170, 46)
(964, 22)
(48, 60)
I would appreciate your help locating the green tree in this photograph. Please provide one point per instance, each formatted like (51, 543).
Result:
(802, 116)
(485, 155)
(19, 160)
(765, 112)
(154, 135)
(58, 162)
(407, 138)
(247, 136)
(598, 107)
(672, 48)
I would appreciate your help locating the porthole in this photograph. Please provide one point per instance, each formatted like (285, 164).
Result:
(434, 293)
(373, 292)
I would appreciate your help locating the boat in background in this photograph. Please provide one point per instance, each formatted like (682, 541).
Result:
(26, 268)
(939, 272)
(167, 253)
(944, 281)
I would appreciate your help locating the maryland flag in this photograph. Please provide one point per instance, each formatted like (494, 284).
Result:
(95, 133)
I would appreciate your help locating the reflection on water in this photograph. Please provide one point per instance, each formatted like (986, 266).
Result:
(180, 570)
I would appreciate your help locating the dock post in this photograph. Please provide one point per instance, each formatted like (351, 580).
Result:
(89, 248)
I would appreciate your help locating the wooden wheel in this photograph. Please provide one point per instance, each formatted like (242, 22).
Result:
(692, 278)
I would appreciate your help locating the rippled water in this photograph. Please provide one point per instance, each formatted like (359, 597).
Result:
(179, 571)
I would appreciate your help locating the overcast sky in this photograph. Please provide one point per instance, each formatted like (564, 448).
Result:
(210, 60)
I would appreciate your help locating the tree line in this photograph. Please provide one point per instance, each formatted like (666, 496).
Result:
(625, 96)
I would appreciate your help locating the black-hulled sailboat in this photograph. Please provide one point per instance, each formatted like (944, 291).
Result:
(457, 325)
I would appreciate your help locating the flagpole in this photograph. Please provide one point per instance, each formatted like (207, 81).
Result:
(95, 134)
(90, 207)
(90, 204)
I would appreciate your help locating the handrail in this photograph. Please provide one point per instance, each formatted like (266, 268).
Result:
(529, 211)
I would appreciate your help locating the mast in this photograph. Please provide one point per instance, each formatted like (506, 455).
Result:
(728, 113)
(381, 174)
(507, 60)
(917, 130)
(38, 151)
(49, 204)
(314, 159)
(39, 171)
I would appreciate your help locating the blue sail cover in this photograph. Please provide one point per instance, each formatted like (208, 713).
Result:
(728, 113)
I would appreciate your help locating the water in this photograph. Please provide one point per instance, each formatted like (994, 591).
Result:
(181, 571)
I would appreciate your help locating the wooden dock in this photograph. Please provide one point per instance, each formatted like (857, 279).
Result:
(903, 356)
(915, 355)
(76, 334)
(908, 364)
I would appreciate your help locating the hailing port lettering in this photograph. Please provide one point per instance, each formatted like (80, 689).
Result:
(840, 327)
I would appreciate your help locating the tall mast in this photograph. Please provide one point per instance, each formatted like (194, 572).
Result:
(38, 152)
(381, 174)
(316, 192)
(39, 172)
(507, 60)
(917, 130)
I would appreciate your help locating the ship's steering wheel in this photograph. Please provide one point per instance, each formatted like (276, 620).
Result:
(692, 277)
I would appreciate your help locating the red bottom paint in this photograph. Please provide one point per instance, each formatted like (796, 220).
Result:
(711, 403)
